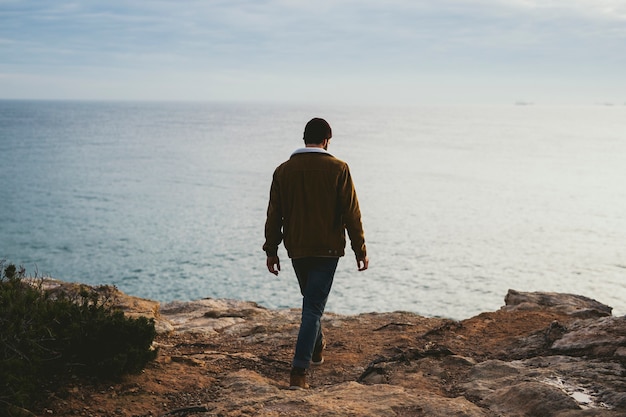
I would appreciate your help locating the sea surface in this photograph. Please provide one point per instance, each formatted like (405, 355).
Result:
(167, 200)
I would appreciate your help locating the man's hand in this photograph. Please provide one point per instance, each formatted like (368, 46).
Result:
(273, 264)
(362, 263)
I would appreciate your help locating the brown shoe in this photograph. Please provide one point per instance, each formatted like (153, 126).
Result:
(297, 379)
(318, 354)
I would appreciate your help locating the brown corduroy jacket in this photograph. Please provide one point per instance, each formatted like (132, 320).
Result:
(312, 204)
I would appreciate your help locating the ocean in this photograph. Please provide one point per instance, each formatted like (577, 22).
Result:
(167, 201)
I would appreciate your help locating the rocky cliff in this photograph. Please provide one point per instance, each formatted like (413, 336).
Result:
(541, 354)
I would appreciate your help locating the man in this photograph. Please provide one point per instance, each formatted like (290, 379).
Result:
(312, 204)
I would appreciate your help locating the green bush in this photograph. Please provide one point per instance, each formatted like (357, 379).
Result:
(44, 336)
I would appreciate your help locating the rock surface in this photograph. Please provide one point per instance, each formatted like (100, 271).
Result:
(542, 354)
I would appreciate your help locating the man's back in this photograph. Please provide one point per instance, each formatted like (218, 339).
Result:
(313, 198)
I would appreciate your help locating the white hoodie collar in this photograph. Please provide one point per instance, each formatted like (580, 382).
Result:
(310, 150)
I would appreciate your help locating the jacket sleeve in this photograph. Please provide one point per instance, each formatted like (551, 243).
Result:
(351, 214)
(274, 221)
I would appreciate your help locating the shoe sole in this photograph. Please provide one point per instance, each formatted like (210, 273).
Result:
(317, 363)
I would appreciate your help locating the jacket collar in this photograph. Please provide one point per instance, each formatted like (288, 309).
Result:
(310, 150)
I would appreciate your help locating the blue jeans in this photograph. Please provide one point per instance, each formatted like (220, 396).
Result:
(315, 276)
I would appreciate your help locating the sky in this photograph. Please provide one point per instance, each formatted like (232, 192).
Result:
(338, 51)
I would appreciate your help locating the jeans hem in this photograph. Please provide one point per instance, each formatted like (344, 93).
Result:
(300, 364)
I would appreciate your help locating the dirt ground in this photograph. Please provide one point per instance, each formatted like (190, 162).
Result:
(188, 369)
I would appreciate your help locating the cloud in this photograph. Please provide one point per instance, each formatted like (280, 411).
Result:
(288, 41)
(198, 31)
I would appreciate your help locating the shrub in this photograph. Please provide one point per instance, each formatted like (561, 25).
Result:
(44, 336)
